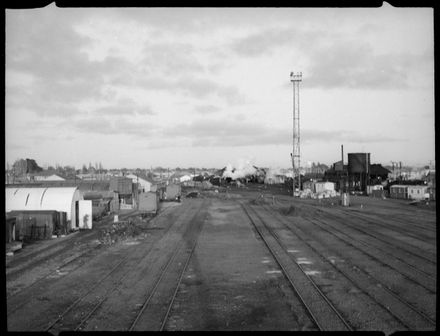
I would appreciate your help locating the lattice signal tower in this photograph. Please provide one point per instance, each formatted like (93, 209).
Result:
(296, 78)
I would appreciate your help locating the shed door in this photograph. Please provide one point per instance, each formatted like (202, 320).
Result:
(77, 214)
(85, 214)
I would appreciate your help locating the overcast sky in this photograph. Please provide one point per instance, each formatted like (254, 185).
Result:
(207, 87)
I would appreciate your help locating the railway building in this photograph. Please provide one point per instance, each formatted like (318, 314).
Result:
(418, 192)
(126, 190)
(399, 191)
(358, 175)
(144, 183)
(47, 177)
(38, 224)
(68, 200)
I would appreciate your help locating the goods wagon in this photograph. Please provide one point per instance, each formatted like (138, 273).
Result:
(418, 192)
(148, 203)
(399, 191)
(172, 192)
(38, 225)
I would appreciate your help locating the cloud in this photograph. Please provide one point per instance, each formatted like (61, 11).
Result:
(263, 42)
(354, 64)
(124, 107)
(332, 60)
(111, 126)
(309, 136)
(269, 40)
(207, 109)
(233, 133)
(227, 132)
(95, 126)
(193, 86)
(171, 59)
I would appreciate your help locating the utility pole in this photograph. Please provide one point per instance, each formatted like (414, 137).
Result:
(296, 154)
(394, 174)
(342, 169)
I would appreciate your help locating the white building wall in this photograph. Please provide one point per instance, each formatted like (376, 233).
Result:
(323, 186)
(85, 214)
(417, 192)
(48, 178)
(58, 199)
(146, 185)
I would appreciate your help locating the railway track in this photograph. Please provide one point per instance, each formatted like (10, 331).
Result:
(412, 221)
(55, 245)
(152, 316)
(181, 257)
(378, 222)
(85, 257)
(409, 315)
(319, 308)
(77, 315)
(382, 247)
(397, 266)
(387, 240)
(19, 301)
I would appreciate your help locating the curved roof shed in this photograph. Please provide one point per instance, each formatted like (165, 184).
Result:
(58, 199)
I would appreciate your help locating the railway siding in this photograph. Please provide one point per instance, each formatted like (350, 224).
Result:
(240, 263)
(125, 304)
(320, 309)
(391, 304)
(419, 275)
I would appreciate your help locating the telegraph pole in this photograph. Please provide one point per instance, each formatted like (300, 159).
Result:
(296, 78)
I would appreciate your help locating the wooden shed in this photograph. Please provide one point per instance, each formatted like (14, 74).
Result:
(418, 192)
(35, 224)
(10, 229)
(399, 191)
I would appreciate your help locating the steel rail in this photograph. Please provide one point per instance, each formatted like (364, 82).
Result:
(374, 236)
(156, 285)
(44, 277)
(177, 287)
(390, 254)
(96, 307)
(369, 219)
(346, 324)
(384, 287)
(193, 232)
(314, 221)
(78, 300)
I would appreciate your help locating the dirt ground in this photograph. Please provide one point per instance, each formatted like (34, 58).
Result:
(248, 258)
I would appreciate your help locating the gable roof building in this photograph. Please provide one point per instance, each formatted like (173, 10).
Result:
(143, 181)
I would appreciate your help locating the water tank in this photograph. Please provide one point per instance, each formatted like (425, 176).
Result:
(358, 162)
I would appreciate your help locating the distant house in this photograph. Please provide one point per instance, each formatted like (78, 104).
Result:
(399, 191)
(378, 172)
(94, 177)
(324, 186)
(418, 192)
(47, 178)
(309, 184)
(275, 179)
(185, 178)
(144, 182)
